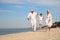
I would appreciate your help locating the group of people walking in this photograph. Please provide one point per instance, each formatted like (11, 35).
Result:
(48, 19)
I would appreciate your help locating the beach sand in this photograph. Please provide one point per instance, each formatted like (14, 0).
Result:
(54, 34)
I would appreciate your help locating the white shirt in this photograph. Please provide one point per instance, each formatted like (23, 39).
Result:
(48, 17)
(32, 16)
(40, 17)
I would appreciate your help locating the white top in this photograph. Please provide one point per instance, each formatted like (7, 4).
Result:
(48, 17)
(32, 16)
(40, 17)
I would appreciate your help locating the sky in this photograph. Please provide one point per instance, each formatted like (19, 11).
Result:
(13, 13)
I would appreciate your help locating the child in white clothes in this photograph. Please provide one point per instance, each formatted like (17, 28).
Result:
(40, 20)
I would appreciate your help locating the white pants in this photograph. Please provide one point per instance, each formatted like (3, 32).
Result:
(33, 23)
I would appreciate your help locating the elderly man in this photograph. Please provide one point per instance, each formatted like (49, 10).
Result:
(32, 17)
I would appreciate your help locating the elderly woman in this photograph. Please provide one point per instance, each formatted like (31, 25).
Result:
(48, 20)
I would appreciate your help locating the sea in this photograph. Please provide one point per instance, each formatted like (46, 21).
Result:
(5, 31)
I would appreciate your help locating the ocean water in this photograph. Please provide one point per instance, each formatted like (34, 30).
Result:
(14, 30)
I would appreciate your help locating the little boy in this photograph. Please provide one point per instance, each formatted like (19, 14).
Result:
(40, 20)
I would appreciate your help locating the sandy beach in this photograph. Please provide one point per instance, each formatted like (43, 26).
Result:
(54, 34)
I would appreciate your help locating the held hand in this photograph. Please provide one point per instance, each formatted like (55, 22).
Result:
(49, 21)
(28, 19)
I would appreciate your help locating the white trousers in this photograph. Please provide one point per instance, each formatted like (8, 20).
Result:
(33, 23)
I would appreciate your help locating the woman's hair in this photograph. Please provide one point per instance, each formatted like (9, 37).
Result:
(48, 11)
